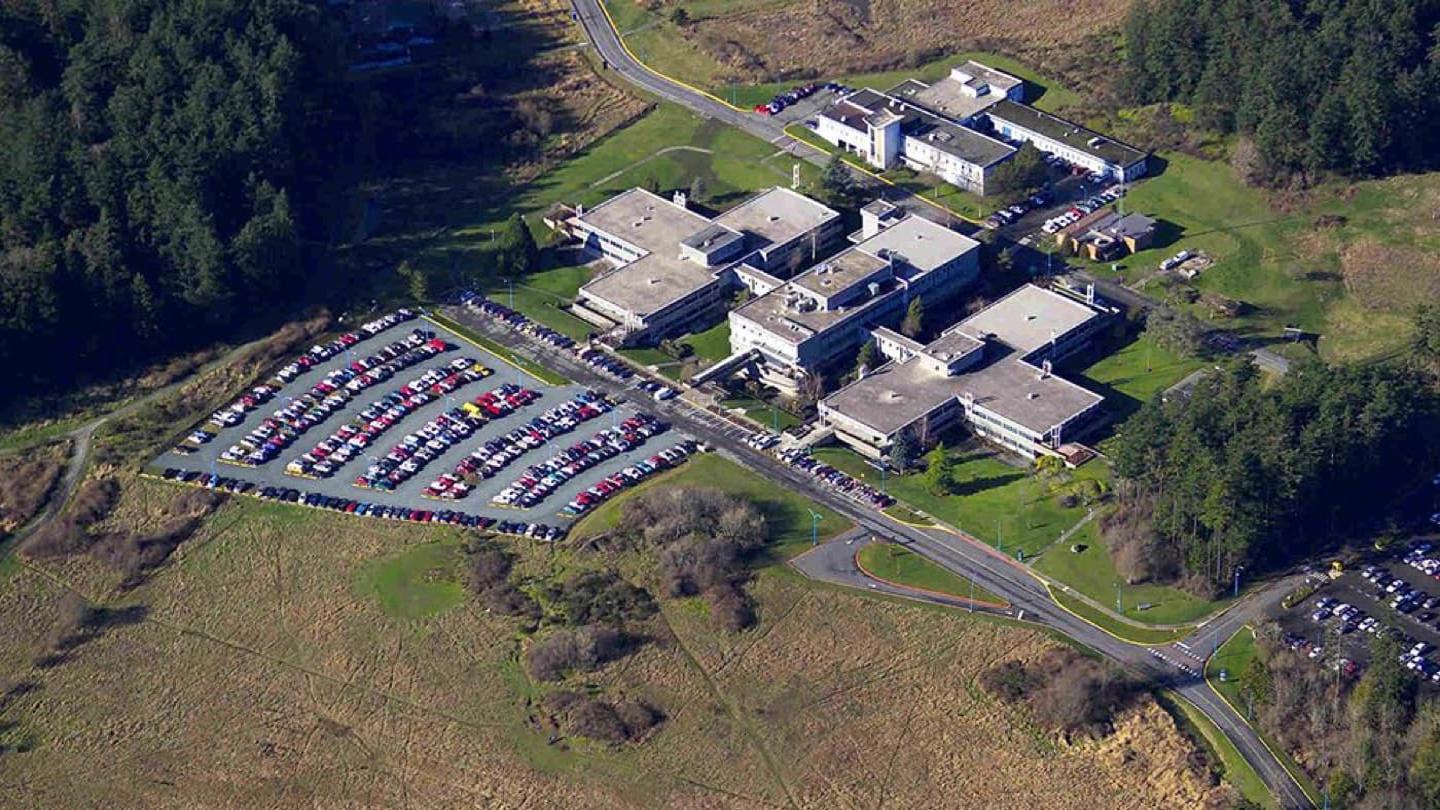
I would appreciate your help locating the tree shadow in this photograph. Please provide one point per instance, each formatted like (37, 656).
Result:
(974, 486)
(96, 624)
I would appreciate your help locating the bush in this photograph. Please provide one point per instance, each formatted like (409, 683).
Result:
(94, 500)
(582, 650)
(582, 716)
(1064, 690)
(601, 597)
(488, 565)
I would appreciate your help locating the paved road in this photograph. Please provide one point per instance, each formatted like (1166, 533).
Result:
(961, 554)
(1172, 668)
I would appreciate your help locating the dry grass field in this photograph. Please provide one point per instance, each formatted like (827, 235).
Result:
(258, 669)
(770, 41)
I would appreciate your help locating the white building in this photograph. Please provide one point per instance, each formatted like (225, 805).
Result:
(674, 268)
(821, 316)
(962, 127)
(991, 372)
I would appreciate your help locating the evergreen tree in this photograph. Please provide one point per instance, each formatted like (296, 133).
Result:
(914, 323)
(865, 358)
(516, 253)
(697, 189)
(902, 450)
(837, 183)
(938, 470)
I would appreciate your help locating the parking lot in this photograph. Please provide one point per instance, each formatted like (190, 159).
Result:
(1396, 592)
(435, 407)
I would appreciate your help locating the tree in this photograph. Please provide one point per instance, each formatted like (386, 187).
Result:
(865, 358)
(680, 16)
(914, 322)
(1427, 332)
(516, 253)
(902, 450)
(1021, 175)
(697, 189)
(938, 470)
(1178, 332)
(417, 281)
(837, 183)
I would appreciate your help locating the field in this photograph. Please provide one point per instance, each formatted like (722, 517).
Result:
(253, 671)
(763, 413)
(899, 564)
(1346, 262)
(1001, 505)
(787, 513)
(1232, 656)
(1130, 373)
(742, 45)
(1091, 572)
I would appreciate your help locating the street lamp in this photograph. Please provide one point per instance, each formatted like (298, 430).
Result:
(815, 519)
(1118, 608)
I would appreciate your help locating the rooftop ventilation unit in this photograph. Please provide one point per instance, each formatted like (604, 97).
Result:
(1032, 395)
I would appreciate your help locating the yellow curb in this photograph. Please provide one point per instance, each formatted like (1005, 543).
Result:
(493, 353)
(1258, 734)
(980, 602)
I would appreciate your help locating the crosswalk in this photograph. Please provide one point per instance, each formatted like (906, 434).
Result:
(1180, 659)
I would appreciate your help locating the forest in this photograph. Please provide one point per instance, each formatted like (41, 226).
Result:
(1342, 86)
(1244, 474)
(165, 165)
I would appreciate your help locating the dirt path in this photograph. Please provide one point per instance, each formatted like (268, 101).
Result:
(641, 162)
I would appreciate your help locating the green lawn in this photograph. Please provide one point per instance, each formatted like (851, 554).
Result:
(1236, 770)
(763, 412)
(416, 583)
(786, 513)
(711, 345)
(1092, 573)
(1000, 504)
(899, 564)
(1136, 635)
(1130, 374)
(1258, 251)
(1233, 656)
(540, 295)
(535, 370)
(647, 356)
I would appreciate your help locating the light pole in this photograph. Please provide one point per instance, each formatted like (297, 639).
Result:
(510, 286)
(1237, 583)
(1118, 608)
(815, 519)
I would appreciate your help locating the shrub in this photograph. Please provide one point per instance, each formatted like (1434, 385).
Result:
(623, 721)
(601, 597)
(1064, 690)
(582, 650)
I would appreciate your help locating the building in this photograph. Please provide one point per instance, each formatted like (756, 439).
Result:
(674, 269)
(962, 127)
(991, 372)
(887, 131)
(1073, 143)
(822, 316)
(1106, 234)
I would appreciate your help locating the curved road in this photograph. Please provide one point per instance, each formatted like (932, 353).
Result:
(1175, 668)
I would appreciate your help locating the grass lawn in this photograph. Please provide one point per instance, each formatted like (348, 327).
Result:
(899, 564)
(1130, 374)
(417, 583)
(997, 503)
(667, 147)
(1236, 770)
(647, 356)
(1276, 262)
(535, 370)
(763, 412)
(1135, 635)
(1233, 656)
(711, 345)
(540, 295)
(787, 514)
(1092, 573)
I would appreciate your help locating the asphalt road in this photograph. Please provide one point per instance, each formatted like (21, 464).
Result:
(1175, 667)
(963, 555)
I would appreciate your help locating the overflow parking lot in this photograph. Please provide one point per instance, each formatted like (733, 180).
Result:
(206, 458)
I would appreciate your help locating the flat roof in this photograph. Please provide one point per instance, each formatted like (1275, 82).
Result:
(1067, 132)
(998, 79)
(962, 142)
(1027, 317)
(648, 284)
(777, 216)
(924, 245)
(952, 344)
(769, 312)
(946, 97)
(840, 272)
(710, 237)
(898, 394)
(645, 220)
